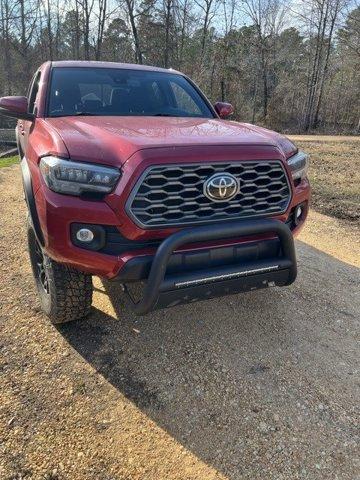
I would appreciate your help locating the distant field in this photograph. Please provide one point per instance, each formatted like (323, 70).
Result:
(334, 174)
(324, 138)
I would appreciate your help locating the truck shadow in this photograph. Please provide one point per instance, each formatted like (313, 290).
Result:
(220, 376)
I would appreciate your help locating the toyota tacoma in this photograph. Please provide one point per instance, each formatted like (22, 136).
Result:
(131, 174)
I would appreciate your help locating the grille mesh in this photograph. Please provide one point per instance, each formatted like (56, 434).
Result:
(170, 195)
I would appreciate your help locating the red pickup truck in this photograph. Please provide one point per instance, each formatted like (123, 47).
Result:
(131, 174)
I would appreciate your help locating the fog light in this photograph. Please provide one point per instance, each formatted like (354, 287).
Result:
(298, 214)
(85, 235)
(88, 236)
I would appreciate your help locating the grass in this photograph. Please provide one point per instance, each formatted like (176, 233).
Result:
(8, 161)
(334, 175)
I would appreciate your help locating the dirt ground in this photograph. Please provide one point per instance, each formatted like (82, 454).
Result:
(255, 386)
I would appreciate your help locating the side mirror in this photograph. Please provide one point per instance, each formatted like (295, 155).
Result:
(223, 109)
(16, 107)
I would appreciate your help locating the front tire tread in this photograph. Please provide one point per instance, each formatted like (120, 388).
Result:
(68, 292)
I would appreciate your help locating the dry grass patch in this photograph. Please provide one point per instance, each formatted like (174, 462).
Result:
(334, 175)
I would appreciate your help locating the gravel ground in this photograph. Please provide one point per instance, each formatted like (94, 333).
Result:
(255, 386)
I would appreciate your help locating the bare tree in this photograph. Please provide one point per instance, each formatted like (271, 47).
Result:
(25, 22)
(267, 17)
(229, 10)
(133, 12)
(168, 17)
(7, 13)
(321, 17)
(101, 19)
(209, 8)
(183, 14)
(86, 9)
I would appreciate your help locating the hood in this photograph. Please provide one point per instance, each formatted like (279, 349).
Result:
(112, 140)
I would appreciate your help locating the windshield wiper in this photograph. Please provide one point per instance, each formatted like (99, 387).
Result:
(78, 114)
(164, 115)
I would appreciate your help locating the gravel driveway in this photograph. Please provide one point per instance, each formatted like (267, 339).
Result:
(256, 386)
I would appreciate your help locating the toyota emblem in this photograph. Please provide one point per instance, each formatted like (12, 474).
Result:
(221, 187)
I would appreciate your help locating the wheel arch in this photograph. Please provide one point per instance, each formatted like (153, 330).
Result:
(30, 200)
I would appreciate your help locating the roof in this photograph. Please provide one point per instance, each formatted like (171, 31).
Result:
(128, 66)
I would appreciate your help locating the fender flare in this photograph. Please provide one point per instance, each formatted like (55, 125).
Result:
(30, 201)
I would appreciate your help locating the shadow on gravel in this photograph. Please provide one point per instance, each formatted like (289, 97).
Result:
(237, 380)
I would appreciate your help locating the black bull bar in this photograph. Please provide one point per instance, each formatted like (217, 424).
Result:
(165, 290)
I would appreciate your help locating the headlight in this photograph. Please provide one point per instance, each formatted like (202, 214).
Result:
(75, 178)
(299, 164)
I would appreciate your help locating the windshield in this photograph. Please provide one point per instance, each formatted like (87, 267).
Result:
(121, 92)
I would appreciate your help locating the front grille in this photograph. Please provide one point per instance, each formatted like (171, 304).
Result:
(172, 195)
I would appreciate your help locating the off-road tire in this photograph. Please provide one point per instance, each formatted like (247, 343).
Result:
(65, 293)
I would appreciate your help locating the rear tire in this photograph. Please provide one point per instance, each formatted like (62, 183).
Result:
(65, 293)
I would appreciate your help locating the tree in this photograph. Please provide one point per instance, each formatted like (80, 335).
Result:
(267, 16)
(208, 8)
(321, 17)
(297, 78)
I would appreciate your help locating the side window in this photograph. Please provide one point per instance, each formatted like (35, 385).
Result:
(184, 100)
(33, 92)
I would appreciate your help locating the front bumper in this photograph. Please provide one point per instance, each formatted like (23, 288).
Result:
(164, 289)
(58, 212)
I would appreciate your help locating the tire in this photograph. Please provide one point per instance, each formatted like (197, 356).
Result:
(65, 293)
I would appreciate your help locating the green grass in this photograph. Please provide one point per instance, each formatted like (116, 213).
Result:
(8, 161)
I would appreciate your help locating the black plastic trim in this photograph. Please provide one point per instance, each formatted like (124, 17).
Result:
(30, 201)
(230, 286)
(22, 116)
(138, 268)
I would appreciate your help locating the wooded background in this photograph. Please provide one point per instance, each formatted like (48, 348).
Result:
(292, 66)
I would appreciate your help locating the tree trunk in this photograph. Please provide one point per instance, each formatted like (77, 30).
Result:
(131, 13)
(204, 33)
(254, 102)
(5, 18)
(86, 30)
(167, 33)
(265, 83)
(49, 29)
(24, 42)
(222, 86)
(77, 31)
(325, 69)
(183, 34)
(101, 28)
(313, 92)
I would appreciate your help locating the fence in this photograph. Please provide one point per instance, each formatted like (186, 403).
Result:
(7, 142)
(7, 137)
